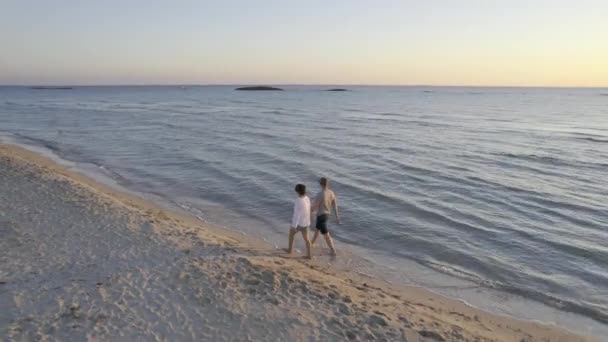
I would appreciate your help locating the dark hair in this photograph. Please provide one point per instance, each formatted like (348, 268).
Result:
(323, 181)
(301, 189)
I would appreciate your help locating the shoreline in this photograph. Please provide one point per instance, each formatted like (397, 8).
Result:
(398, 311)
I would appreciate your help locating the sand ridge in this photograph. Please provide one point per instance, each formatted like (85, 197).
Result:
(82, 261)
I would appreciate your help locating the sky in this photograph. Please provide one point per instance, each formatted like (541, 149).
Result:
(432, 42)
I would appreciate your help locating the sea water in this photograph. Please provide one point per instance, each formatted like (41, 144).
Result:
(464, 190)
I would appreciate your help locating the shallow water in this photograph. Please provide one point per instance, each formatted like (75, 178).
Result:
(502, 187)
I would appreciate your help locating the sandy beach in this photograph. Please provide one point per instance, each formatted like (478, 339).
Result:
(82, 261)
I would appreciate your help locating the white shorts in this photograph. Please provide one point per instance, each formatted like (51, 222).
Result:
(301, 229)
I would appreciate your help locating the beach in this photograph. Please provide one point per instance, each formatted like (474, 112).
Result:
(83, 261)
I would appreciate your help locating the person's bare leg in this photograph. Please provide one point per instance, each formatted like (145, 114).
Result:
(308, 244)
(330, 243)
(292, 236)
(314, 237)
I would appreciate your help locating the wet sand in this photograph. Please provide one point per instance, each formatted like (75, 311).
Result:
(82, 261)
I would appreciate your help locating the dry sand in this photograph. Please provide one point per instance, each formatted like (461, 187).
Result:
(81, 261)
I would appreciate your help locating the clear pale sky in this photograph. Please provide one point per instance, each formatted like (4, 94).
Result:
(449, 42)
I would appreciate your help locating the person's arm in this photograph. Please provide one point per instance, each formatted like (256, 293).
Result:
(296, 214)
(335, 204)
(314, 208)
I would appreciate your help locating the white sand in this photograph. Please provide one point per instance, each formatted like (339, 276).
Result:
(79, 261)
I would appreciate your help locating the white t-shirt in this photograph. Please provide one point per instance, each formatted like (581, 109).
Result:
(301, 212)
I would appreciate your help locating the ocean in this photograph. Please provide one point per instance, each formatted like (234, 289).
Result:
(497, 196)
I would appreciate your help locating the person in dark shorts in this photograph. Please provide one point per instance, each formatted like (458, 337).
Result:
(323, 204)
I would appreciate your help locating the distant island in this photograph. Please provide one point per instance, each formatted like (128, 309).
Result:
(337, 89)
(51, 88)
(258, 88)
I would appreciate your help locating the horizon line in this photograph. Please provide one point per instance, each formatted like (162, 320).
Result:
(298, 84)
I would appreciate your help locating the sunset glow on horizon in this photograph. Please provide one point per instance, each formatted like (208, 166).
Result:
(502, 43)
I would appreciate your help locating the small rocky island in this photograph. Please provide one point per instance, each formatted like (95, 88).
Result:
(337, 89)
(258, 88)
(50, 88)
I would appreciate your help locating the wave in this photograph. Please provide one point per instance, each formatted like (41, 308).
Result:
(50, 145)
(501, 278)
(540, 200)
(74, 156)
(594, 140)
(534, 157)
(112, 174)
(586, 309)
(263, 135)
(416, 210)
(392, 118)
(551, 161)
(242, 102)
(273, 112)
(389, 114)
(567, 211)
(554, 161)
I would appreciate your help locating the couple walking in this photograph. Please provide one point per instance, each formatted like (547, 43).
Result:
(322, 205)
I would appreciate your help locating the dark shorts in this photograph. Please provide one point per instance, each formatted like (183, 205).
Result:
(322, 223)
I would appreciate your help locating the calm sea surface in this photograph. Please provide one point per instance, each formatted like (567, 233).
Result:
(501, 189)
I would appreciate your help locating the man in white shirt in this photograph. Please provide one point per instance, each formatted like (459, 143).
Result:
(300, 221)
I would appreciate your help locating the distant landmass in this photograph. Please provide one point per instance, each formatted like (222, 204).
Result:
(337, 89)
(258, 88)
(51, 88)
